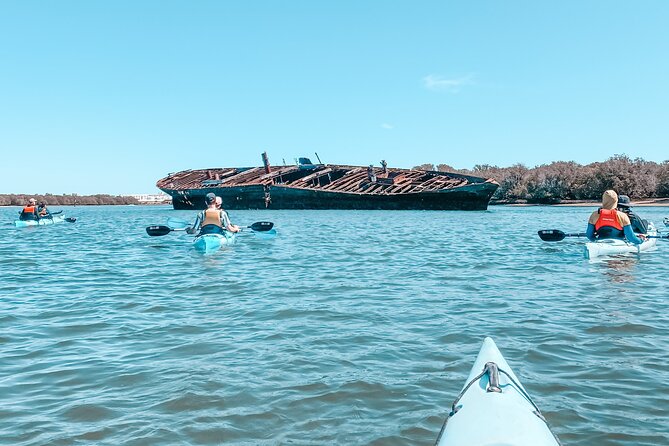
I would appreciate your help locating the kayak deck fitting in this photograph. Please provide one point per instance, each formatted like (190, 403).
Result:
(493, 408)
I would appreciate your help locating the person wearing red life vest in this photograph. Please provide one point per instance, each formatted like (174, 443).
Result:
(608, 222)
(29, 211)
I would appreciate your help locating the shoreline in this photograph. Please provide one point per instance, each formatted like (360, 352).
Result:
(650, 202)
(86, 205)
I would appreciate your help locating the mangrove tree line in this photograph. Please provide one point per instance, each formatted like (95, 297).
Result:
(66, 199)
(568, 180)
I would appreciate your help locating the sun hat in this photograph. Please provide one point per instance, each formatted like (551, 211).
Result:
(624, 201)
(609, 199)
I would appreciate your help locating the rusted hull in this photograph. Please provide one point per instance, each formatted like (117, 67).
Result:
(474, 197)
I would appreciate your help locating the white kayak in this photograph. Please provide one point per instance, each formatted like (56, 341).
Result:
(494, 409)
(609, 247)
(213, 242)
(41, 222)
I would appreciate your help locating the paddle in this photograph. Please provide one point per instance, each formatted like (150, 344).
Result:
(159, 230)
(555, 235)
(70, 219)
(261, 226)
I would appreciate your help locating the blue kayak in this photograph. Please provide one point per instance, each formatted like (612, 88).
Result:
(493, 408)
(213, 242)
(41, 222)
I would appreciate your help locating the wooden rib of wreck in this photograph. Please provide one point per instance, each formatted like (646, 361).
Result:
(326, 186)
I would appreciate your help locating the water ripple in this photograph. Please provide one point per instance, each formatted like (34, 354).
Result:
(347, 328)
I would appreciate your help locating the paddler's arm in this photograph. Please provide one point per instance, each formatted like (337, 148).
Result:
(227, 224)
(196, 225)
(624, 221)
(592, 220)
(590, 232)
(631, 237)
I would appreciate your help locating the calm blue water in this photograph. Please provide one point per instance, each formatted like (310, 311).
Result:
(352, 328)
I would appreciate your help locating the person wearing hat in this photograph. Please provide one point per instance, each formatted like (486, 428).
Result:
(29, 211)
(219, 206)
(42, 210)
(639, 225)
(212, 220)
(609, 222)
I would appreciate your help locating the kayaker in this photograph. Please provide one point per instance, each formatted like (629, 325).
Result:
(29, 211)
(639, 225)
(213, 220)
(608, 222)
(219, 205)
(42, 210)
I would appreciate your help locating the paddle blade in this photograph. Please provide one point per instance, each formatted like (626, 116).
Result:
(262, 226)
(265, 234)
(155, 231)
(177, 223)
(70, 219)
(551, 235)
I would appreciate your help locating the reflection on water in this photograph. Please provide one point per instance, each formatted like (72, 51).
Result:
(618, 269)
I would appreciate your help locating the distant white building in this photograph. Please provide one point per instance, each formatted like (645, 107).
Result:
(161, 198)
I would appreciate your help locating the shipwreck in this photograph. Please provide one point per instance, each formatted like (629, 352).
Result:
(306, 185)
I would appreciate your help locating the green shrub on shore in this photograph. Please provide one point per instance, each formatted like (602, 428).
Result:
(67, 200)
(561, 180)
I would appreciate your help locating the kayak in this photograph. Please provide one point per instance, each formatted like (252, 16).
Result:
(213, 242)
(494, 408)
(609, 247)
(40, 222)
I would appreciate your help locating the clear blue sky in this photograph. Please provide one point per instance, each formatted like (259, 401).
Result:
(109, 96)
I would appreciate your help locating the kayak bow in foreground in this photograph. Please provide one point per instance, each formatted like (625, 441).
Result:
(494, 408)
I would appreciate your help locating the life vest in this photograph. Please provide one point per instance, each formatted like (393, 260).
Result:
(212, 217)
(607, 225)
(28, 213)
